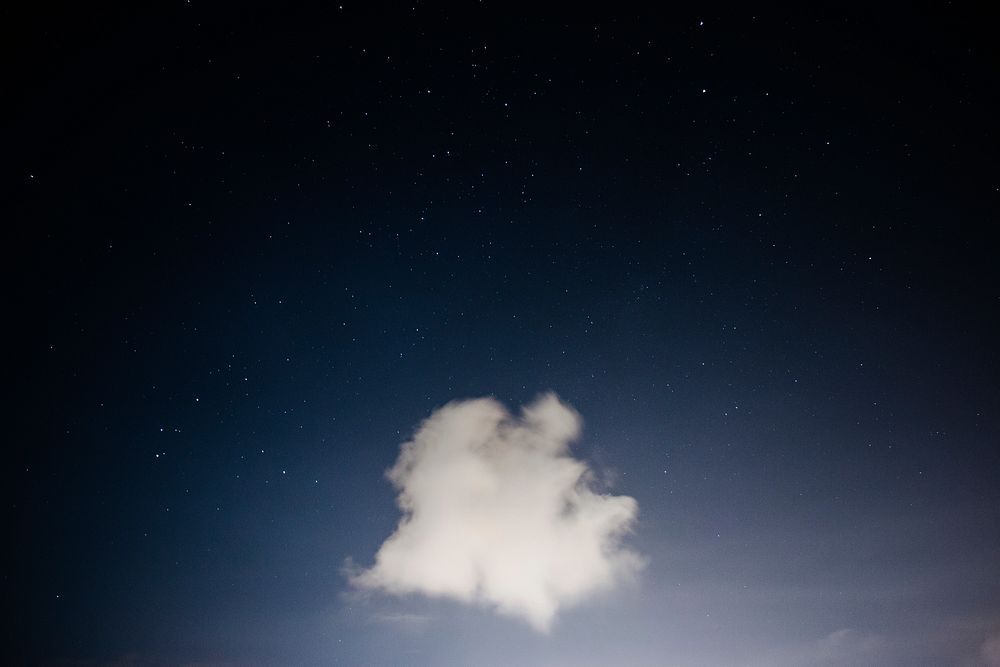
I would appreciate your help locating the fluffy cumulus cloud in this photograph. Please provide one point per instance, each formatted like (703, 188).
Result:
(497, 511)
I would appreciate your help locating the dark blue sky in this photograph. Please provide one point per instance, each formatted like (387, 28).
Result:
(251, 250)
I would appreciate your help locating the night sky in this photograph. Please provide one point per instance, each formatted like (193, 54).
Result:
(251, 250)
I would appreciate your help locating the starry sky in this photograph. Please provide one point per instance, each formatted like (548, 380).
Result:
(252, 249)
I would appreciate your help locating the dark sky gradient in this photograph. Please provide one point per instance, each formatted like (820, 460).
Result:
(252, 249)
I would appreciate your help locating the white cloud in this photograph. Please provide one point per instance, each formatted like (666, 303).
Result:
(401, 619)
(838, 649)
(496, 511)
(991, 651)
